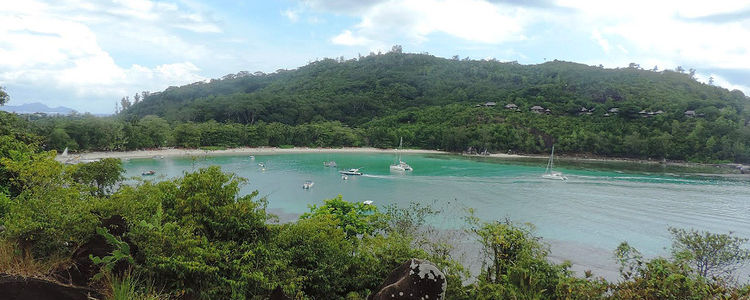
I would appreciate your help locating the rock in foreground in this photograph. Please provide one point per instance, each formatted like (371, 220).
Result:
(414, 279)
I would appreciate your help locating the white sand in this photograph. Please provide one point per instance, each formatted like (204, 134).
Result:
(172, 152)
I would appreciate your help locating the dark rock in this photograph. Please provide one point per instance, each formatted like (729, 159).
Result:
(24, 288)
(278, 294)
(83, 269)
(414, 279)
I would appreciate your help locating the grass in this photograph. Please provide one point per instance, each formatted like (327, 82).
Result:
(14, 261)
(286, 146)
(130, 287)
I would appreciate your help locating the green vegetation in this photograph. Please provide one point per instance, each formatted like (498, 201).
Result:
(432, 103)
(196, 237)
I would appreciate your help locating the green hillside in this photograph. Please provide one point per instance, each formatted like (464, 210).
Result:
(356, 90)
(433, 103)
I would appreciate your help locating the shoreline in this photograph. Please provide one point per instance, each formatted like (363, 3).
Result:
(182, 152)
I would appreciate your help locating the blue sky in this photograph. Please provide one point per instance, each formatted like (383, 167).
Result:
(86, 55)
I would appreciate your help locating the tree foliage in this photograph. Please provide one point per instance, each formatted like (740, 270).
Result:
(711, 255)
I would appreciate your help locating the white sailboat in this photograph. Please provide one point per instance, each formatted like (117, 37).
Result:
(548, 173)
(401, 166)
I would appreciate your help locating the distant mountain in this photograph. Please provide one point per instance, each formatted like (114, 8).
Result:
(37, 107)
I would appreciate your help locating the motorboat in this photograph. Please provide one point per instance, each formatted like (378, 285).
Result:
(148, 173)
(308, 184)
(331, 164)
(351, 172)
(367, 202)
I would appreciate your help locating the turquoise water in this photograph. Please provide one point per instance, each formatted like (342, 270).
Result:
(583, 219)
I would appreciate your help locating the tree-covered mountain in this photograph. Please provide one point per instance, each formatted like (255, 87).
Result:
(432, 103)
(354, 91)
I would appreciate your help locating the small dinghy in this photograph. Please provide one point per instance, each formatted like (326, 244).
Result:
(308, 184)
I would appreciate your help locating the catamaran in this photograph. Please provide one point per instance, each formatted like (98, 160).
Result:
(548, 173)
(401, 166)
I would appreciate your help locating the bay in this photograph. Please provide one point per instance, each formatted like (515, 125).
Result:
(583, 219)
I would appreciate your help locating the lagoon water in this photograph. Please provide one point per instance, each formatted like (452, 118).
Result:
(583, 219)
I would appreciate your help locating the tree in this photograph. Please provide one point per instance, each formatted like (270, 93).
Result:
(155, 129)
(136, 98)
(101, 175)
(711, 80)
(3, 96)
(125, 103)
(354, 218)
(716, 255)
(692, 73)
(680, 69)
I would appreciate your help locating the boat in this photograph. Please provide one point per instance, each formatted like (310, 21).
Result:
(65, 152)
(344, 177)
(262, 165)
(331, 164)
(148, 173)
(252, 157)
(351, 172)
(367, 202)
(308, 184)
(401, 166)
(549, 173)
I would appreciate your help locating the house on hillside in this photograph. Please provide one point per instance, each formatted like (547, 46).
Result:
(690, 113)
(511, 106)
(486, 104)
(585, 111)
(537, 109)
(614, 110)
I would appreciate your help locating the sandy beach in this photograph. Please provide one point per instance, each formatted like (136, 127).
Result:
(175, 152)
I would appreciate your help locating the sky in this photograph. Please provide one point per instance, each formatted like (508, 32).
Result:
(87, 55)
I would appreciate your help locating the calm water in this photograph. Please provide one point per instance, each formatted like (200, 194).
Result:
(583, 219)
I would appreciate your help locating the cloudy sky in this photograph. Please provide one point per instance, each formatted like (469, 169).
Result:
(88, 54)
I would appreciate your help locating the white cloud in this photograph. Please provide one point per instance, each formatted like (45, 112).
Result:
(597, 36)
(348, 39)
(290, 14)
(50, 47)
(669, 29)
(386, 22)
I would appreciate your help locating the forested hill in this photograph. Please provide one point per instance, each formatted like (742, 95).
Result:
(354, 91)
(432, 103)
